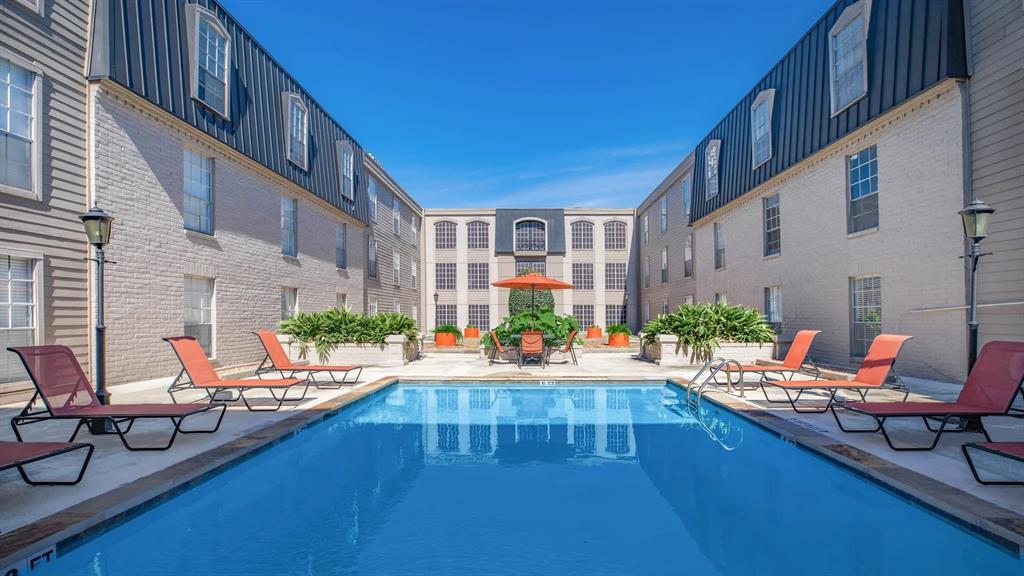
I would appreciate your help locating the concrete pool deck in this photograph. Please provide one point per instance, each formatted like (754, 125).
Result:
(118, 480)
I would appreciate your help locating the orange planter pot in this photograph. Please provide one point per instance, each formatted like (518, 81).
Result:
(594, 332)
(472, 332)
(618, 339)
(444, 340)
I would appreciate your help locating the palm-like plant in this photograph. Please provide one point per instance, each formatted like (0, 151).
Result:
(702, 327)
(326, 329)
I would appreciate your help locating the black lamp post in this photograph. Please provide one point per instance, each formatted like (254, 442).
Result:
(975, 217)
(625, 305)
(97, 232)
(435, 307)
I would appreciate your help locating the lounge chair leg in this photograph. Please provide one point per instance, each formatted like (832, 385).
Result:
(974, 472)
(935, 439)
(878, 422)
(124, 439)
(220, 418)
(81, 471)
(793, 401)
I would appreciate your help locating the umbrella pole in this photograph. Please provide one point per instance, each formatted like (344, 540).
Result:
(533, 306)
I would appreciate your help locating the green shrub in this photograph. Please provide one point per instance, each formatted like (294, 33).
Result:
(700, 328)
(326, 329)
(449, 329)
(619, 329)
(519, 301)
(546, 321)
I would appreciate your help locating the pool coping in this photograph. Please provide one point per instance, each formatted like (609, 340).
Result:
(73, 526)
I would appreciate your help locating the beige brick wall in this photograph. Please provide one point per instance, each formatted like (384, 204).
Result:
(915, 249)
(138, 161)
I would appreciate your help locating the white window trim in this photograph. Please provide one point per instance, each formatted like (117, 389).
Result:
(715, 145)
(762, 97)
(396, 216)
(593, 236)
(193, 14)
(287, 99)
(341, 147)
(39, 292)
(36, 193)
(396, 267)
(863, 7)
(37, 6)
(625, 229)
(515, 242)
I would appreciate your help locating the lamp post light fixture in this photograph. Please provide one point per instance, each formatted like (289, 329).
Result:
(975, 216)
(97, 231)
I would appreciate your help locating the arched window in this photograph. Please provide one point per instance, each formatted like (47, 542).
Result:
(478, 235)
(531, 236)
(444, 236)
(210, 65)
(615, 235)
(582, 235)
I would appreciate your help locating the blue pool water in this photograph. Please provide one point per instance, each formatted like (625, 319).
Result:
(473, 480)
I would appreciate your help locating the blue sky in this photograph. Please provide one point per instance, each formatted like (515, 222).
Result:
(528, 103)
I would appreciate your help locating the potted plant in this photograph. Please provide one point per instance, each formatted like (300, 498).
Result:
(472, 332)
(694, 333)
(593, 331)
(447, 336)
(618, 335)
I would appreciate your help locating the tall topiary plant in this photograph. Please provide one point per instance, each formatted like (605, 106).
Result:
(520, 300)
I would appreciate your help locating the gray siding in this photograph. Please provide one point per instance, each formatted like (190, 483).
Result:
(56, 43)
(997, 160)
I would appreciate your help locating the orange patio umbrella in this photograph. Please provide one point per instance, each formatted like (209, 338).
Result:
(532, 281)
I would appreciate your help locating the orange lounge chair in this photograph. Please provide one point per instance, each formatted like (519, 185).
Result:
(19, 454)
(497, 348)
(198, 374)
(67, 395)
(796, 358)
(1009, 450)
(567, 349)
(277, 360)
(990, 390)
(872, 375)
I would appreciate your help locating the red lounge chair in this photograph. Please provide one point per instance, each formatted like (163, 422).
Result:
(497, 348)
(19, 454)
(198, 374)
(872, 375)
(568, 349)
(532, 345)
(67, 395)
(991, 387)
(796, 358)
(277, 360)
(1010, 450)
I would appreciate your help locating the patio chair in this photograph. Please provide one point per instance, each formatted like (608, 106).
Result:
(19, 454)
(532, 346)
(991, 388)
(198, 374)
(497, 348)
(67, 395)
(796, 361)
(1008, 450)
(872, 375)
(277, 360)
(567, 349)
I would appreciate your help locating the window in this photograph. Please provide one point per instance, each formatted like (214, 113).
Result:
(688, 256)
(478, 235)
(664, 306)
(20, 128)
(863, 182)
(396, 268)
(772, 225)
(289, 302)
(711, 157)
(341, 246)
(415, 314)
(688, 300)
(444, 236)
(664, 213)
(341, 300)
(687, 194)
(848, 56)
(647, 229)
(371, 200)
(584, 437)
(584, 314)
(719, 246)
(297, 121)
(372, 266)
(414, 229)
(199, 311)
(583, 275)
(865, 313)
(615, 313)
(34, 5)
(18, 312)
(480, 437)
(720, 298)
(524, 266)
(647, 311)
(396, 216)
(664, 264)
(415, 273)
(479, 276)
(396, 305)
(615, 276)
(582, 235)
(346, 160)
(647, 272)
(445, 276)
(761, 127)
(210, 49)
(446, 315)
(615, 235)
(198, 201)
(531, 236)
(289, 226)
(773, 307)
(373, 307)
(480, 316)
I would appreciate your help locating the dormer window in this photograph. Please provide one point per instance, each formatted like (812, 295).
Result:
(848, 55)
(346, 161)
(531, 236)
(210, 49)
(297, 135)
(711, 156)
(761, 127)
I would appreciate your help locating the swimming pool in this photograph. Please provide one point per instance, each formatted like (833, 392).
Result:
(504, 479)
